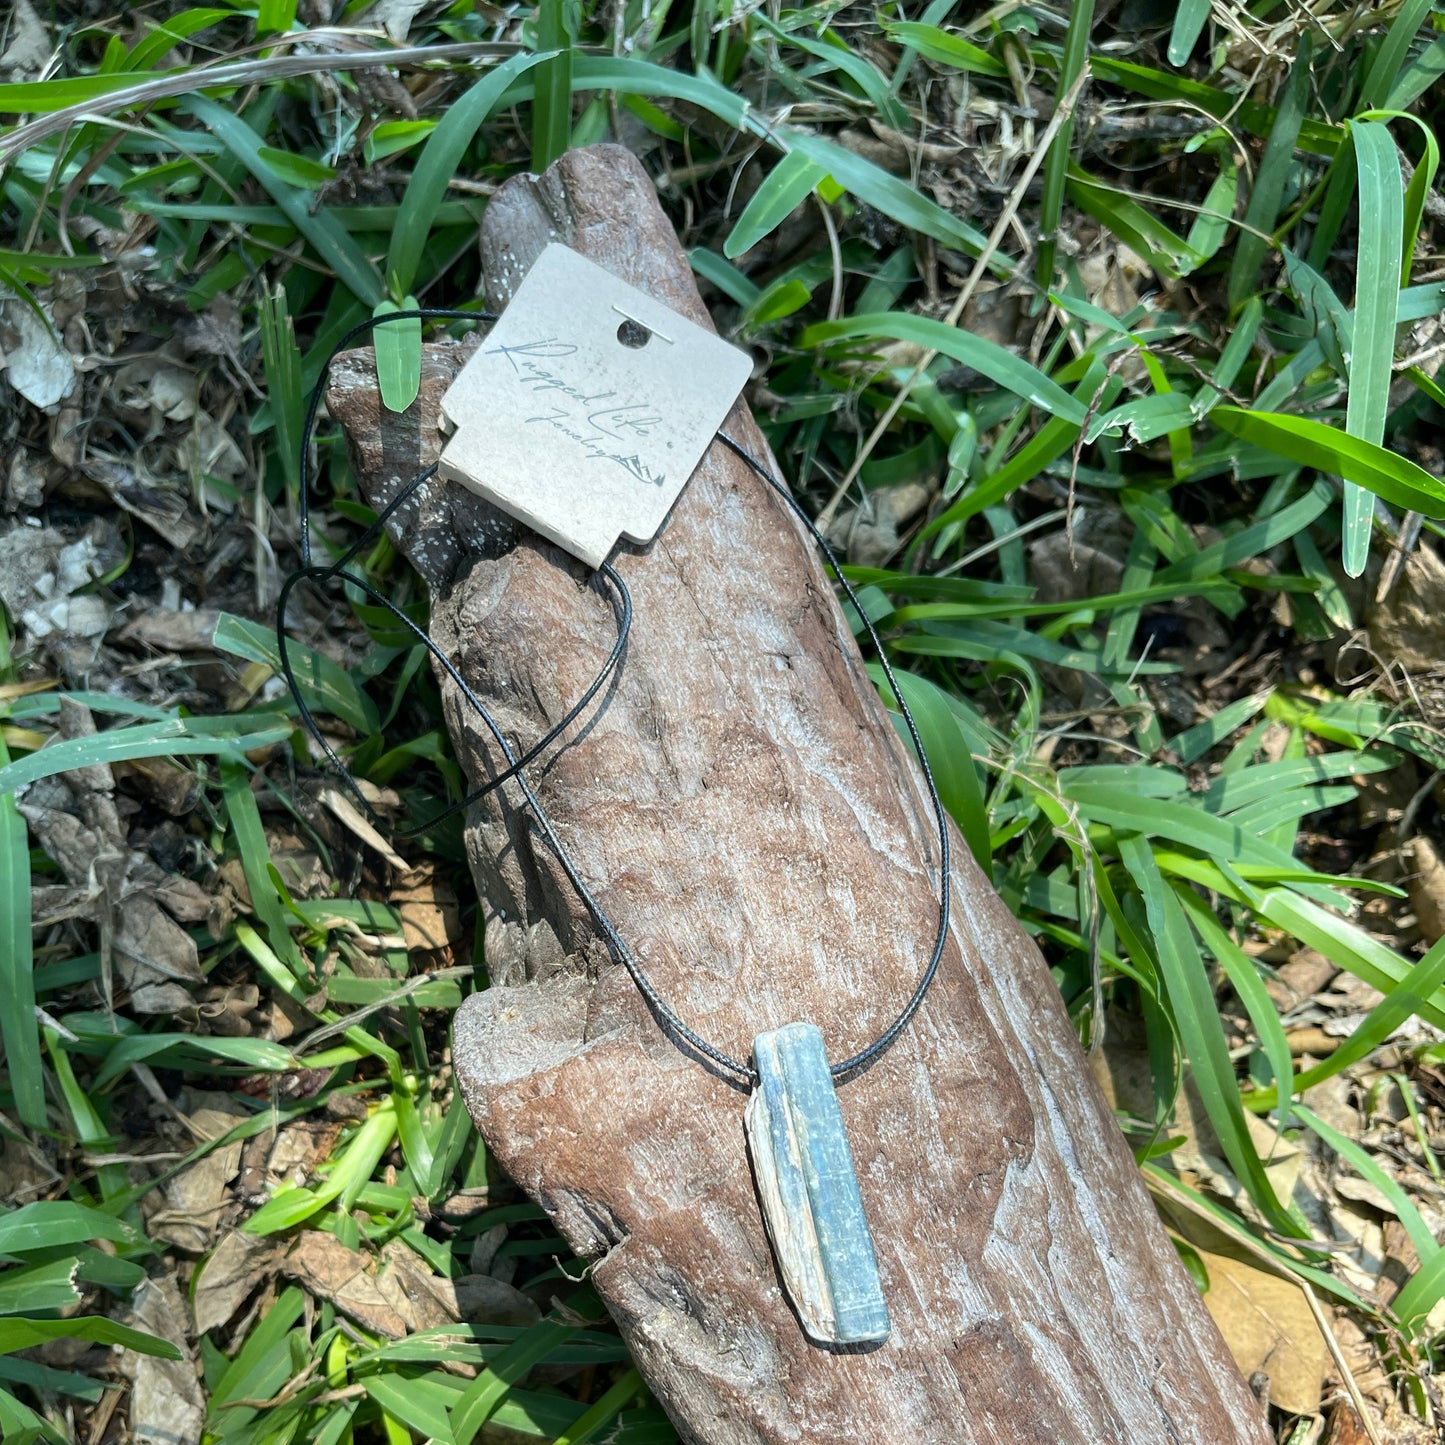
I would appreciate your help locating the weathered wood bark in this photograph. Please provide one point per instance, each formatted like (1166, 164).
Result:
(747, 816)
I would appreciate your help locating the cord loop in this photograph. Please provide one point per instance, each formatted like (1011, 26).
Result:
(680, 1032)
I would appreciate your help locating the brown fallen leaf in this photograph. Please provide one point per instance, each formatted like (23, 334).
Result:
(331, 1271)
(398, 1294)
(163, 630)
(191, 1204)
(166, 1404)
(1426, 886)
(1344, 1427)
(1267, 1324)
(430, 916)
(1406, 628)
(150, 948)
(230, 1275)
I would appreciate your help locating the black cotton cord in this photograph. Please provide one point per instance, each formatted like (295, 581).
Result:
(622, 601)
(888, 1037)
(670, 1022)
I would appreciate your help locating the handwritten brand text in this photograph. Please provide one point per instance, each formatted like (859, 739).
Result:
(602, 423)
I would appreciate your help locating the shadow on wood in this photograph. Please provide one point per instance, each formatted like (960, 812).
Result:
(747, 815)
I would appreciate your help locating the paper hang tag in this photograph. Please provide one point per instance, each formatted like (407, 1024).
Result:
(588, 406)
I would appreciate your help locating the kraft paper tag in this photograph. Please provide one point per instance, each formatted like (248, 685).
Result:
(588, 406)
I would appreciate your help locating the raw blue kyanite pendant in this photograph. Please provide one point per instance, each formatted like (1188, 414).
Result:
(809, 1189)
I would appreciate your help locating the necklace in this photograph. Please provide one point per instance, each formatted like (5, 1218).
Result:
(807, 1184)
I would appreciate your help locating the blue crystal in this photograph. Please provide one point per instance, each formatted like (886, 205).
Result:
(809, 1190)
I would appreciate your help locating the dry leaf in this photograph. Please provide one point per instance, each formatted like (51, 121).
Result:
(1406, 628)
(1267, 1324)
(228, 1278)
(191, 1204)
(399, 1294)
(28, 52)
(430, 916)
(166, 1405)
(36, 363)
(1426, 886)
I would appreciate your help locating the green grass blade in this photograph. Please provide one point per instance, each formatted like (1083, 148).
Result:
(481, 1398)
(1286, 1259)
(1268, 188)
(1384, 70)
(16, 1334)
(891, 194)
(1377, 290)
(178, 737)
(255, 854)
(1332, 321)
(724, 275)
(789, 182)
(439, 160)
(419, 1403)
(1322, 138)
(165, 37)
(302, 172)
(1426, 1287)
(1210, 228)
(1345, 945)
(603, 1412)
(1181, 823)
(41, 97)
(552, 110)
(1132, 223)
(330, 240)
(950, 760)
(1194, 742)
(46, 1288)
(1189, 22)
(18, 1028)
(1339, 196)
(281, 358)
(1417, 193)
(348, 1175)
(1403, 1001)
(1056, 165)
(183, 1051)
(1011, 372)
(1253, 784)
(1186, 981)
(1418, 77)
(1245, 980)
(1316, 444)
(944, 48)
(1359, 1160)
(240, 1378)
(1250, 541)
(398, 355)
(325, 686)
(49, 1223)
(837, 56)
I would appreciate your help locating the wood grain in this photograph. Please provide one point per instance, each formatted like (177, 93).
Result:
(745, 812)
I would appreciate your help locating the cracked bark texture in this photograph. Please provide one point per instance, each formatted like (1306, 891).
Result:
(747, 816)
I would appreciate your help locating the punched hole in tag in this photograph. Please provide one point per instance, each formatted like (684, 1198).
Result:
(632, 333)
(587, 407)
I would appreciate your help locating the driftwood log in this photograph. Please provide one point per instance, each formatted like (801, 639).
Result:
(747, 815)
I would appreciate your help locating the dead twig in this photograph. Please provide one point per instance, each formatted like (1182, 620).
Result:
(244, 72)
(1338, 1356)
